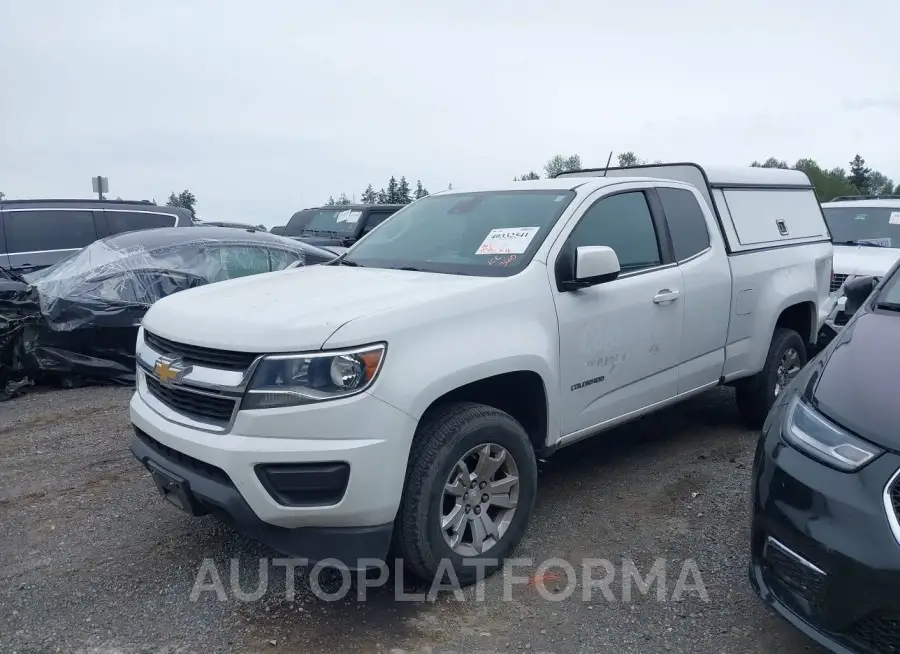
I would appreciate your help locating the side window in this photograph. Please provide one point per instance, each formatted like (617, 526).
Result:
(375, 219)
(34, 231)
(687, 225)
(128, 221)
(281, 259)
(240, 261)
(622, 222)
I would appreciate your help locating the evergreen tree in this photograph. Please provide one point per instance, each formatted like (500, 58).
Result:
(392, 197)
(331, 202)
(369, 196)
(343, 199)
(403, 191)
(185, 200)
(860, 174)
(527, 176)
(421, 191)
(381, 197)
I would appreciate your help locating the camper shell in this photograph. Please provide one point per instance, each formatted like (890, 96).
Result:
(756, 208)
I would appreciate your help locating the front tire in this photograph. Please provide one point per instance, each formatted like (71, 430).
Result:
(470, 489)
(755, 396)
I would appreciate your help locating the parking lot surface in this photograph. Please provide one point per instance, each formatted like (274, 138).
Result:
(92, 560)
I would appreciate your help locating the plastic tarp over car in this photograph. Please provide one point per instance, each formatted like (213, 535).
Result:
(78, 319)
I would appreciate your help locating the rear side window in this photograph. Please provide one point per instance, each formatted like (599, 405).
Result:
(36, 231)
(129, 221)
(686, 222)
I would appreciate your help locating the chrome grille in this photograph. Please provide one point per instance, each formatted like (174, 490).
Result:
(195, 355)
(837, 281)
(198, 406)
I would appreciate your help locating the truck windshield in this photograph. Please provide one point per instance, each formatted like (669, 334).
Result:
(333, 222)
(864, 225)
(490, 234)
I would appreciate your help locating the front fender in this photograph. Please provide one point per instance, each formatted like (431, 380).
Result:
(437, 347)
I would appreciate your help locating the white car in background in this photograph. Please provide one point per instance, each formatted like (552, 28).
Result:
(866, 234)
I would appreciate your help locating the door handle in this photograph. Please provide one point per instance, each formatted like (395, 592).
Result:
(666, 295)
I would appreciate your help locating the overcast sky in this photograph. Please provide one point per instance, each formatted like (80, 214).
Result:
(265, 107)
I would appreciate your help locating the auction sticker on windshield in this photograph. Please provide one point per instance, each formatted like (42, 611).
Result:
(895, 218)
(508, 240)
(349, 216)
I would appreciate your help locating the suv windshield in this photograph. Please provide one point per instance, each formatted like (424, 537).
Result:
(333, 222)
(864, 225)
(494, 233)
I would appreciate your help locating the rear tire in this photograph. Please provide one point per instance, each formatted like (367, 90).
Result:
(756, 395)
(456, 445)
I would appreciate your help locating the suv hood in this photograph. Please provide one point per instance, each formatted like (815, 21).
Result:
(857, 388)
(294, 310)
(860, 260)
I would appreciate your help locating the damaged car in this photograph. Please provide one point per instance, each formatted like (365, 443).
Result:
(77, 320)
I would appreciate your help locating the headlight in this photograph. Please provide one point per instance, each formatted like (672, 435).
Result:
(812, 433)
(284, 380)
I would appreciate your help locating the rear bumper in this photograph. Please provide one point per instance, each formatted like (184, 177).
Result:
(215, 493)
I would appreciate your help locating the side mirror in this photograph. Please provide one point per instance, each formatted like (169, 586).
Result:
(857, 291)
(592, 265)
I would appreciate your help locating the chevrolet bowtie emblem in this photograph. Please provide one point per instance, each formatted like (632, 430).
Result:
(170, 371)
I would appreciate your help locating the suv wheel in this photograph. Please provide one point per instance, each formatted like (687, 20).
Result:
(470, 488)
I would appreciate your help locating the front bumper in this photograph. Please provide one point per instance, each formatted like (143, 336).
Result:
(822, 551)
(367, 434)
(212, 491)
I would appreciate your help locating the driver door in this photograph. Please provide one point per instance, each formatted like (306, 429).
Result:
(620, 341)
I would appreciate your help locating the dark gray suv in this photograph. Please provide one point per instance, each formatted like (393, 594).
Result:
(35, 234)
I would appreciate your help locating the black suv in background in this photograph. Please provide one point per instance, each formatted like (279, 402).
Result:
(35, 234)
(338, 225)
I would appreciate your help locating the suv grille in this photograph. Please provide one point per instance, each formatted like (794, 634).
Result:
(200, 356)
(837, 281)
(198, 406)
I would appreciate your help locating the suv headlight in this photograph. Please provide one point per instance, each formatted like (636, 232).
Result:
(812, 433)
(284, 380)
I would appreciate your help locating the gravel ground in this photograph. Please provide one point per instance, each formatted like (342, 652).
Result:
(92, 560)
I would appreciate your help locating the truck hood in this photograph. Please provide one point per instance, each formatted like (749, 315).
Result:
(294, 310)
(858, 260)
(857, 387)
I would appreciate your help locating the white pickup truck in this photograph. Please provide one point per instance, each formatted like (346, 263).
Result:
(397, 400)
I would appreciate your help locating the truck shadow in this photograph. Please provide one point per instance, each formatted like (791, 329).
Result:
(704, 430)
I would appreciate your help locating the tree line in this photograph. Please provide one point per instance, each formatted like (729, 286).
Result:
(858, 179)
(396, 192)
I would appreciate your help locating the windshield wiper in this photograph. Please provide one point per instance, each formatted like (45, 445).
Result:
(344, 262)
(869, 244)
(888, 306)
(409, 268)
